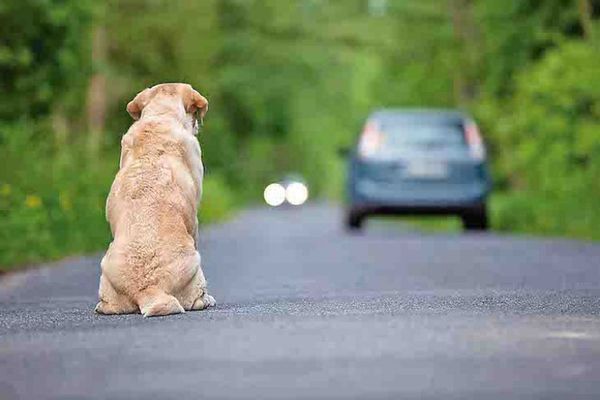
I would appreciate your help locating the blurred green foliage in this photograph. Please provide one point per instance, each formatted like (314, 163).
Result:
(43, 49)
(289, 82)
(549, 148)
(51, 201)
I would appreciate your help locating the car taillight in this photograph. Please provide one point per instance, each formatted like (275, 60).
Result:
(474, 141)
(370, 140)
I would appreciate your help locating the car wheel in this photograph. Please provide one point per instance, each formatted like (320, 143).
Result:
(354, 220)
(476, 220)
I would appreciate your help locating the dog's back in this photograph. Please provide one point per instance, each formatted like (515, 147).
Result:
(152, 212)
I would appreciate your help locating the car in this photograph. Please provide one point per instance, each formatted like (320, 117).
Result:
(418, 162)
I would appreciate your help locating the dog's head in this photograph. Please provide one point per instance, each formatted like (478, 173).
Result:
(180, 96)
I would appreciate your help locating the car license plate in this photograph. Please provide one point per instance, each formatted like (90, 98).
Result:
(426, 169)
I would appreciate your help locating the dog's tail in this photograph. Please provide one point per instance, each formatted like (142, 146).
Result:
(154, 302)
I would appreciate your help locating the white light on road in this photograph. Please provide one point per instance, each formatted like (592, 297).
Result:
(274, 194)
(296, 193)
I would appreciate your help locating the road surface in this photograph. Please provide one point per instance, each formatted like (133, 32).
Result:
(308, 311)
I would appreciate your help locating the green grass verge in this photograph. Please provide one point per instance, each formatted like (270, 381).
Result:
(527, 213)
(43, 226)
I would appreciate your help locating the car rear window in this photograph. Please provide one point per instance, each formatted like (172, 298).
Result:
(423, 137)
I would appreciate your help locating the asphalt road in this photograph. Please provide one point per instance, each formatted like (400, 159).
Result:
(308, 311)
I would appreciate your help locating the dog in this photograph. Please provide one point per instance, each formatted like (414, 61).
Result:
(153, 265)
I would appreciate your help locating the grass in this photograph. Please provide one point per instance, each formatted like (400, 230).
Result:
(53, 205)
(433, 224)
(50, 225)
(529, 213)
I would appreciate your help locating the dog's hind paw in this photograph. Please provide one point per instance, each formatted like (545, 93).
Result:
(100, 308)
(209, 300)
(110, 309)
(204, 302)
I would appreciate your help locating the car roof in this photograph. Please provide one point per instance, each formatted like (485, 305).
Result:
(442, 116)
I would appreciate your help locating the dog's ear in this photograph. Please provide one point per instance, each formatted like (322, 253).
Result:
(195, 102)
(135, 106)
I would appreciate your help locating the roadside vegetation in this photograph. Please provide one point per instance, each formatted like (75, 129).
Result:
(289, 83)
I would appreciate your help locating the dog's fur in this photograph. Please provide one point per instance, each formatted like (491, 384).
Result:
(153, 264)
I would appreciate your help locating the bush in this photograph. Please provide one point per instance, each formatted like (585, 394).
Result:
(52, 200)
(548, 152)
(43, 55)
(217, 200)
(528, 212)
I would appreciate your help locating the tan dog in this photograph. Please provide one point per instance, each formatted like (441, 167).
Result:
(153, 265)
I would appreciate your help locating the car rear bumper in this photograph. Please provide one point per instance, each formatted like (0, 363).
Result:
(440, 199)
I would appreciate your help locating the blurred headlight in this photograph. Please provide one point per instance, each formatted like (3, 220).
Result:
(296, 193)
(274, 194)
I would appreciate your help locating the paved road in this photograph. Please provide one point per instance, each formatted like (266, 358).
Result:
(308, 311)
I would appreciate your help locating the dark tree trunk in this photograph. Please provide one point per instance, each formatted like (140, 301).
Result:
(585, 17)
(468, 43)
(96, 96)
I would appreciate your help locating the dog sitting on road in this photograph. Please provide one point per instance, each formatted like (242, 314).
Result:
(153, 265)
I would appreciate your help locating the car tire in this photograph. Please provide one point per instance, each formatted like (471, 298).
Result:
(354, 220)
(476, 220)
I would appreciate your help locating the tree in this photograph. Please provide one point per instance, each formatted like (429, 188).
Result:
(42, 55)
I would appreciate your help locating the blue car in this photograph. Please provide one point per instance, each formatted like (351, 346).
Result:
(419, 162)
